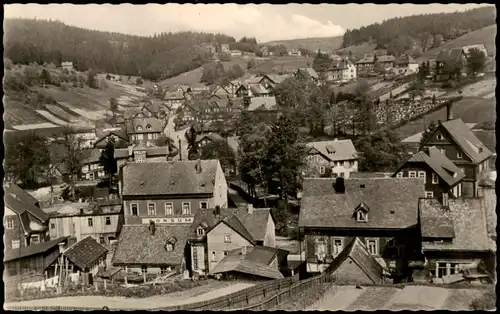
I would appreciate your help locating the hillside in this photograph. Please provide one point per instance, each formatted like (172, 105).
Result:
(325, 44)
(485, 36)
(158, 57)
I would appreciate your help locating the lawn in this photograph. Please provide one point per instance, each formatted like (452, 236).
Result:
(325, 44)
(281, 64)
(360, 50)
(373, 298)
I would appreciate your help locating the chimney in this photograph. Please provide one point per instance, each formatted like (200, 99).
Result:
(480, 149)
(449, 111)
(243, 250)
(61, 247)
(339, 186)
(217, 210)
(180, 150)
(445, 200)
(152, 227)
(250, 208)
(71, 240)
(198, 166)
(426, 151)
(81, 211)
(130, 150)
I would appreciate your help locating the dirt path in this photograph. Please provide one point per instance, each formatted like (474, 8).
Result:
(131, 303)
(337, 298)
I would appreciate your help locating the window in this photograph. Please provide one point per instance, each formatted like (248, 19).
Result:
(169, 209)
(200, 231)
(144, 269)
(155, 136)
(227, 238)
(372, 245)
(400, 174)
(435, 179)
(443, 151)
(90, 222)
(169, 247)
(10, 224)
(152, 209)
(361, 216)
(421, 174)
(163, 270)
(52, 225)
(412, 174)
(35, 239)
(322, 170)
(341, 174)
(226, 253)
(108, 221)
(139, 128)
(16, 244)
(459, 155)
(134, 209)
(214, 257)
(429, 194)
(440, 137)
(148, 127)
(186, 208)
(337, 246)
(203, 205)
(101, 240)
(140, 137)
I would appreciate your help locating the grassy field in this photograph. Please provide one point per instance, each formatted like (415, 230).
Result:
(325, 44)
(360, 50)
(281, 64)
(485, 36)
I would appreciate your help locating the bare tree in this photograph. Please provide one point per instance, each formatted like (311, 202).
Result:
(72, 157)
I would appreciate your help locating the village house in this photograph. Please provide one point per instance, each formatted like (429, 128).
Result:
(211, 49)
(455, 139)
(454, 235)
(220, 92)
(58, 171)
(25, 223)
(367, 64)
(294, 52)
(215, 232)
(337, 158)
(333, 211)
(204, 139)
(270, 81)
(116, 134)
(236, 53)
(307, 74)
(232, 87)
(175, 99)
(153, 109)
(34, 265)
(101, 220)
(405, 64)
(83, 260)
(343, 71)
(91, 168)
(145, 130)
(479, 47)
(67, 65)
(140, 153)
(440, 174)
(86, 136)
(224, 48)
(450, 62)
(265, 108)
(265, 51)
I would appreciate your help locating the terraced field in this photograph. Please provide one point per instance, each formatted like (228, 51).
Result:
(61, 113)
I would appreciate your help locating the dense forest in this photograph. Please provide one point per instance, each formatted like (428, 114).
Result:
(427, 29)
(156, 57)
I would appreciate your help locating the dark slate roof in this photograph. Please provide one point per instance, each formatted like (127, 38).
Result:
(155, 123)
(466, 139)
(121, 153)
(358, 252)
(309, 71)
(449, 55)
(21, 202)
(405, 59)
(438, 162)
(90, 156)
(137, 246)
(363, 175)
(208, 218)
(262, 103)
(256, 222)
(234, 223)
(261, 254)
(85, 253)
(169, 178)
(467, 216)
(13, 254)
(335, 150)
(322, 207)
(239, 263)
(122, 134)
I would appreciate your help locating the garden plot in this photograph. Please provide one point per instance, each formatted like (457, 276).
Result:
(58, 111)
(35, 126)
(484, 88)
(373, 298)
(90, 115)
(460, 299)
(419, 297)
(47, 115)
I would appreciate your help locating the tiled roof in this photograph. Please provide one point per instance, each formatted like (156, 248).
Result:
(155, 124)
(234, 223)
(220, 90)
(335, 150)
(466, 139)
(24, 251)
(415, 138)
(169, 178)
(405, 59)
(90, 156)
(175, 95)
(310, 71)
(258, 89)
(323, 207)
(85, 253)
(20, 193)
(136, 245)
(371, 59)
(261, 254)
(357, 251)
(121, 153)
(212, 136)
(238, 263)
(277, 79)
(122, 134)
(262, 103)
(342, 64)
(449, 55)
(21, 202)
(438, 162)
(468, 218)
(256, 222)
(364, 175)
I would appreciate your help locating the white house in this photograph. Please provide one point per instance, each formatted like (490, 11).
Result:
(337, 158)
(479, 47)
(343, 71)
(235, 53)
(405, 65)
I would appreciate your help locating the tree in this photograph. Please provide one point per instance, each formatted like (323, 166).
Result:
(220, 150)
(321, 62)
(212, 72)
(92, 80)
(476, 62)
(424, 39)
(417, 89)
(193, 149)
(380, 151)
(139, 81)
(72, 157)
(113, 106)
(108, 160)
(485, 302)
(45, 77)
(427, 133)
(234, 72)
(251, 63)
(27, 158)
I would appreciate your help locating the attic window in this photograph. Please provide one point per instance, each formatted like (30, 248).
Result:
(361, 216)
(139, 128)
(440, 137)
(200, 231)
(362, 186)
(148, 127)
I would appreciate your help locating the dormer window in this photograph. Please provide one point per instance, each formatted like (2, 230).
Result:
(459, 155)
(440, 137)
(361, 216)
(169, 246)
(139, 128)
(200, 231)
(148, 127)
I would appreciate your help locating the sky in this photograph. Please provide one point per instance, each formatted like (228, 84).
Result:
(265, 22)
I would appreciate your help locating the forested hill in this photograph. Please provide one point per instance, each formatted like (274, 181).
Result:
(448, 26)
(155, 58)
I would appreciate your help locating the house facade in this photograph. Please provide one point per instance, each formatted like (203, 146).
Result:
(405, 65)
(337, 158)
(175, 99)
(91, 169)
(145, 130)
(67, 65)
(343, 71)
(294, 52)
(115, 134)
(367, 64)
(450, 63)
(334, 211)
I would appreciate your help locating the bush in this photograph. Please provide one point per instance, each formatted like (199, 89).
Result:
(486, 302)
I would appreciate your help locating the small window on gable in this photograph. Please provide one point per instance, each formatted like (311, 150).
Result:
(440, 137)
(139, 128)
(148, 127)
(361, 216)
(200, 231)
(227, 238)
(459, 155)
(400, 174)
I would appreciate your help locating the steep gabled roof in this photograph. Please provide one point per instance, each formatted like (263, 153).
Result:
(358, 253)
(155, 124)
(169, 178)
(309, 71)
(20, 202)
(85, 253)
(256, 222)
(234, 223)
(449, 55)
(405, 59)
(335, 150)
(25, 251)
(323, 207)
(241, 263)
(264, 103)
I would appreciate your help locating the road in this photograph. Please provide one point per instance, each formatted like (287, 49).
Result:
(176, 135)
(131, 303)
(337, 298)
